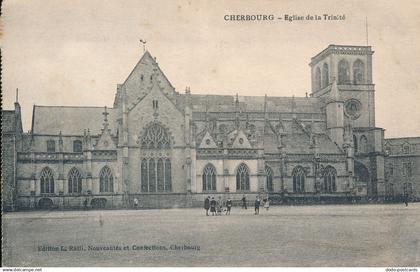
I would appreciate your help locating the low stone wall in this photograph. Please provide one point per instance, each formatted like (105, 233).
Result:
(185, 200)
(70, 202)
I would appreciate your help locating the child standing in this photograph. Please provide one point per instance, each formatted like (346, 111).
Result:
(257, 205)
(228, 206)
(267, 204)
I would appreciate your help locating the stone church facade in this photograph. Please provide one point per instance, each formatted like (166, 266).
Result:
(171, 149)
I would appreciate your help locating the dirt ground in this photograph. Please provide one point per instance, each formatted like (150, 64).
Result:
(331, 235)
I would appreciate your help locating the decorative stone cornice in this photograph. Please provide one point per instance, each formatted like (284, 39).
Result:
(342, 50)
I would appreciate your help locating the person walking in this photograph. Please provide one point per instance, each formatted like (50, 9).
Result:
(207, 205)
(257, 205)
(85, 204)
(244, 202)
(213, 206)
(228, 206)
(136, 203)
(406, 200)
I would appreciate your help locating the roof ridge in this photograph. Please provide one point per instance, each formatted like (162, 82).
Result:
(43, 106)
(402, 138)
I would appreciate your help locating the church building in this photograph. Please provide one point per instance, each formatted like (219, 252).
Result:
(173, 149)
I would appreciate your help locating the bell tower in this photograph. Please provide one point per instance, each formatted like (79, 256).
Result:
(352, 68)
(341, 77)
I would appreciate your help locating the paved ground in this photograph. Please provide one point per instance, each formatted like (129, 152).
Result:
(336, 235)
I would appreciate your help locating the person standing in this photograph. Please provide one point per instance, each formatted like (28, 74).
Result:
(207, 205)
(228, 206)
(267, 203)
(244, 202)
(213, 206)
(257, 205)
(85, 204)
(136, 203)
(219, 206)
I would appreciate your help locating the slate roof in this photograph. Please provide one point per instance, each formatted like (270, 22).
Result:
(50, 120)
(226, 103)
(400, 141)
(298, 143)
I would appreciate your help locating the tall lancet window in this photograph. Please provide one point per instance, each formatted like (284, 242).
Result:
(156, 175)
(269, 179)
(242, 178)
(106, 180)
(209, 178)
(74, 181)
(358, 72)
(298, 179)
(156, 166)
(47, 181)
(343, 72)
(330, 175)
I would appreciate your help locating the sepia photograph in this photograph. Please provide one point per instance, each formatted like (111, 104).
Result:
(204, 133)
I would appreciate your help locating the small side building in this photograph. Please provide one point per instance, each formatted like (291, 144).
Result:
(402, 168)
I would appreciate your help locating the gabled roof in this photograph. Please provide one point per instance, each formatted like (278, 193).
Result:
(241, 141)
(147, 56)
(138, 83)
(50, 120)
(207, 141)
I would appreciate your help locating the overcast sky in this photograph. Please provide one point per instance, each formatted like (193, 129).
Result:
(76, 52)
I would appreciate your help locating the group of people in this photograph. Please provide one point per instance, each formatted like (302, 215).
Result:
(216, 207)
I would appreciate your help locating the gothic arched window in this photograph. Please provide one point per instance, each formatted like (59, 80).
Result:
(363, 144)
(317, 78)
(358, 72)
(106, 180)
(242, 178)
(330, 175)
(155, 136)
(74, 181)
(343, 72)
(47, 181)
(156, 175)
(77, 146)
(298, 179)
(209, 178)
(269, 179)
(325, 75)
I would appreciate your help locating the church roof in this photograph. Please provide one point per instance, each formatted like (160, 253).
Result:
(226, 103)
(50, 120)
(403, 140)
(298, 143)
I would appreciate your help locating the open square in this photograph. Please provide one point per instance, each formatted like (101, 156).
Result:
(330, 235)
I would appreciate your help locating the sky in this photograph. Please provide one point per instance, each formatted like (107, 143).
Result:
(75, 52)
